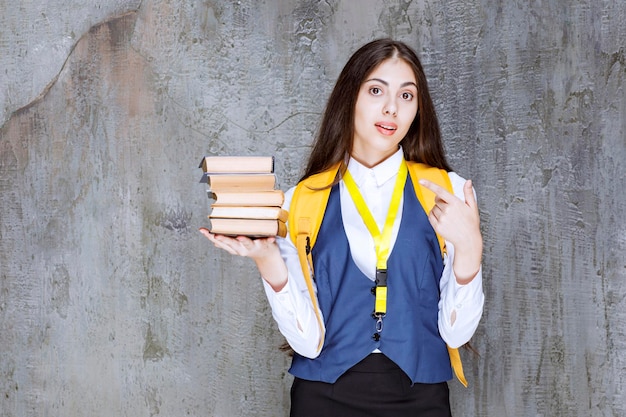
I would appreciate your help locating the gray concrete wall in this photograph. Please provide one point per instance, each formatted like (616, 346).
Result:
(111, 303)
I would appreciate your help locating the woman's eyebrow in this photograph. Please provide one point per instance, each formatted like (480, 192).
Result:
(386, 84)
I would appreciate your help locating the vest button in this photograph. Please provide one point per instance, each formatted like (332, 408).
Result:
(373, 290)
(376, 337)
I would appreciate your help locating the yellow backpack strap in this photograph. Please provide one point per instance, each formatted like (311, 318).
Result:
(306, 212)
(426, 198)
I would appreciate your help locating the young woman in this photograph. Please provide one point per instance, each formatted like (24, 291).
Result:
(378, 116)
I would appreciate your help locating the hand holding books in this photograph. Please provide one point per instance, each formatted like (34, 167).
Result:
(245, 201)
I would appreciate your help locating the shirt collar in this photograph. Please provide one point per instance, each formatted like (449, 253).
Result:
(382, 172)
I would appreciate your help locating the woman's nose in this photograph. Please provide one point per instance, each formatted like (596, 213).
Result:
(390, 108)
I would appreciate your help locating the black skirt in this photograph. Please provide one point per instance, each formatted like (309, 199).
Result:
(375, 387)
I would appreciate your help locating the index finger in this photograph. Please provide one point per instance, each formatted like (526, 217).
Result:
(439, 191)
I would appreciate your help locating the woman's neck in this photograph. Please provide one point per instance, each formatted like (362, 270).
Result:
(371, 159)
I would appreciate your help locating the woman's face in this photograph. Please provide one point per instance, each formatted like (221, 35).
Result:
(385, 108)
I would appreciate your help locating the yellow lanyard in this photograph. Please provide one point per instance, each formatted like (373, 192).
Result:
(382, 241)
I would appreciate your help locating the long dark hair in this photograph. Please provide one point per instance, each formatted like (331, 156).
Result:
(333, 143)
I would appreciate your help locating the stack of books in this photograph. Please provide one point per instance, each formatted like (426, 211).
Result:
(244, 198)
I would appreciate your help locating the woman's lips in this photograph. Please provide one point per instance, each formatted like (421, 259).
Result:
(386, 128)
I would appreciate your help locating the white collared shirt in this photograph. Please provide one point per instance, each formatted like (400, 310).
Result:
(292, 307)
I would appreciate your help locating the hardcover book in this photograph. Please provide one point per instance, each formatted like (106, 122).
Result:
(237, 164)
(240, 182)
(248, 212)
(248, 227)
(248, 198)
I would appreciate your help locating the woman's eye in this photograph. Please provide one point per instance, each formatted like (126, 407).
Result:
(407, 96)
(375, 91)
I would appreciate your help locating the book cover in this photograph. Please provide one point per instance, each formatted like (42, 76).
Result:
(237, 164)
(248, 227)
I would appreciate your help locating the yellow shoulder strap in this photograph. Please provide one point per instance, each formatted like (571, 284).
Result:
(308, 204)
(426, 197)
(306, 212)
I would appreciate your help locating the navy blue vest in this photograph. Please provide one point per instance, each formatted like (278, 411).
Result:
(410, 335)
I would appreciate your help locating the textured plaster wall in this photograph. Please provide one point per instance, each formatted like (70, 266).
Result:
(111, 303)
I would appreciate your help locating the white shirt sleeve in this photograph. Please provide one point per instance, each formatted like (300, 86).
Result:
(292, 307)
(463, 302)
